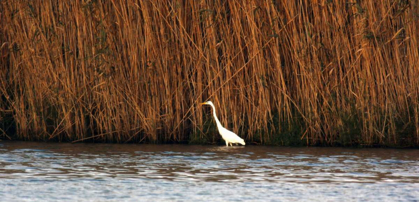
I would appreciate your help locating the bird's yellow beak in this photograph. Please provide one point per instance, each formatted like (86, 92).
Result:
(202, 103)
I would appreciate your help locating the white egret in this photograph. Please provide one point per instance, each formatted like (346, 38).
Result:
(228, 136)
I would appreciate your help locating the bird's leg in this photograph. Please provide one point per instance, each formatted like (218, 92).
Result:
(226, 143)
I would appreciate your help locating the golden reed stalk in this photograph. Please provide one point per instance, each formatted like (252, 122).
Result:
(279, 72)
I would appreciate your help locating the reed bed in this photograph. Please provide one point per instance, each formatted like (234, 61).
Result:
(279, 72)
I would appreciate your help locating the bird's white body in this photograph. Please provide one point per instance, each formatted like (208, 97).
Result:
(228, 136)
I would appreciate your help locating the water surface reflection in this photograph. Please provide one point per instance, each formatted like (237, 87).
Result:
(51, 171)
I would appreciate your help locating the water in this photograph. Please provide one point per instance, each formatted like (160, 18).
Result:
(109, 172)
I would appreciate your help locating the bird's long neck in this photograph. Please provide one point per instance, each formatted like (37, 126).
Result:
(215, 117)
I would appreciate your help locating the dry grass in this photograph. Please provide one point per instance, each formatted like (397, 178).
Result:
(279, 72)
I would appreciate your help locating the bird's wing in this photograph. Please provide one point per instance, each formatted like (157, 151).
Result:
(232, 137)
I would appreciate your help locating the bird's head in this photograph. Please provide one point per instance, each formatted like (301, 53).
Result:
(207, 103)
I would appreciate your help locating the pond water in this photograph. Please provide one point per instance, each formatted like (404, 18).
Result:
(129, 172)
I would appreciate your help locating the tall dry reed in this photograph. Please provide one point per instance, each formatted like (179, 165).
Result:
(279, 72)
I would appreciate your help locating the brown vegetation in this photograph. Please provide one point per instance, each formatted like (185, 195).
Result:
(279, 72)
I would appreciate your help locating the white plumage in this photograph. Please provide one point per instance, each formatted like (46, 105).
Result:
(228, 136)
